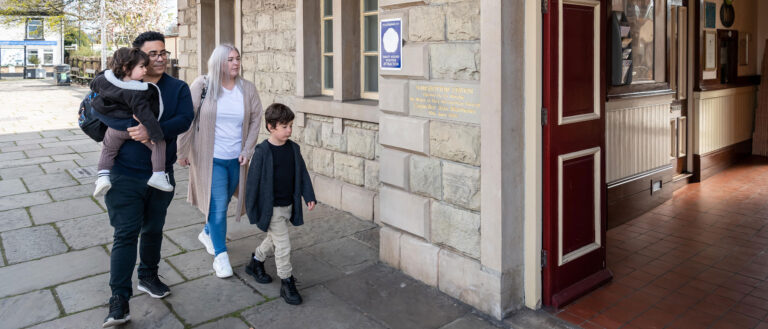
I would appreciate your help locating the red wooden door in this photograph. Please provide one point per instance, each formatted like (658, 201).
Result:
(574, 150)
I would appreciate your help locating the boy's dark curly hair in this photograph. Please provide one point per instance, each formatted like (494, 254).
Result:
(147, 36)
(125, 59)
(277, 113)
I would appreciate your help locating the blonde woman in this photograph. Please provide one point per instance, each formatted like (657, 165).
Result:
(218, 146)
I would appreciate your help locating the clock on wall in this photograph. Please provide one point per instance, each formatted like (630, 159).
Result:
(727, 15)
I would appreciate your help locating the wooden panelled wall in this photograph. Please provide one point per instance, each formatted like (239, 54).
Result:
(722, 118)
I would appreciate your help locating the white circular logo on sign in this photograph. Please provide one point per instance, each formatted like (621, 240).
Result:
(390, 40)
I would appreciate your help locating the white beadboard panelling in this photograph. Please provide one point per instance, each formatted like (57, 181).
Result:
(637, 140)
(724, 118)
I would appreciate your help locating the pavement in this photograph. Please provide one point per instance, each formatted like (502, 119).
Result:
(55, 241)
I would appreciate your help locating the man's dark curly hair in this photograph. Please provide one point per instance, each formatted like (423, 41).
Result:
(277, 114)
(148, 36)
(125, 59)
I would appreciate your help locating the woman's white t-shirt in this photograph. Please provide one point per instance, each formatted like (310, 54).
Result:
(230, 111)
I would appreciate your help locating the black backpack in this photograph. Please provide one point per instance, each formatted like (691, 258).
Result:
(90, 125)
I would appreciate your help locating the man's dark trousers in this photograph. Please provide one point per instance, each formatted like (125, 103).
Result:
(135, 208)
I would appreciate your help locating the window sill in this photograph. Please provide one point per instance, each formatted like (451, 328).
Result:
(361, 109)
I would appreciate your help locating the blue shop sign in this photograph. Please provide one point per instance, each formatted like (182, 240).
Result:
(27, 43)
(391, 48)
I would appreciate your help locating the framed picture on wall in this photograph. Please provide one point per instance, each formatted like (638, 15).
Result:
(744, 49)
(710, 51)
(710, 12)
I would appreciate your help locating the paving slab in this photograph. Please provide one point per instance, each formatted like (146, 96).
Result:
(150, 313)
(24, 162)
(12, 155)
(193, 264)
(242, 229)
(328, 229)
(82, 148)
(13, 219)
(320, 309)
(58, 211)
(23, 310)
(71, 192)
(186, 237)
(181, 214)
(49, 181)
(225, 323)
(31, 243)
(37, 141)
(72, 143)
(347, 254)
(167, 249)
(95, 291)
(91, 319)
(47, 151)
(12, 186)
(471, 321)
(38, 274)
(64, 157)
(59, 166)
(369, 237)
(396, 299)
(56, 133)
(527, 318)
(24, 171)
(207, 298)
(21, 148)
(19, 136)
(87, 231)
(23, 200)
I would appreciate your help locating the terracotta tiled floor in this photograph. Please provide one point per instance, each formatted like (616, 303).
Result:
(700, 260)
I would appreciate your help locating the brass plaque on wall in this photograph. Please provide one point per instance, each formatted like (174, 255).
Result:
(443, 100)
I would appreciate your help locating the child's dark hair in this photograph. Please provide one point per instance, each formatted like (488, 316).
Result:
(125, 59)
(147, 36)
(277, 113)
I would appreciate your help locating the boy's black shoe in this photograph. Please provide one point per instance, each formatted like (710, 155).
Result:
(289, 292)
(256, 270)
(153, 286)
(119, 312)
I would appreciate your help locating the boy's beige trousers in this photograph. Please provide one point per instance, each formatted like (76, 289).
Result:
(277, 240)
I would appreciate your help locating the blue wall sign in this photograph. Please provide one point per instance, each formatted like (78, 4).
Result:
(27, 43)
(391, 48)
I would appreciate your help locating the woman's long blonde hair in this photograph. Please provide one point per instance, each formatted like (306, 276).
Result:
(216, 71)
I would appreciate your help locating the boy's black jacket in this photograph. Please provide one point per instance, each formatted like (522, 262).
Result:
(122, 99)
(259, 187)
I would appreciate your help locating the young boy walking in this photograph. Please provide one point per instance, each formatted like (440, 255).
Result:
(277, 180)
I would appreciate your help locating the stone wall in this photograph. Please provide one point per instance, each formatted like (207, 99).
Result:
(187, 40)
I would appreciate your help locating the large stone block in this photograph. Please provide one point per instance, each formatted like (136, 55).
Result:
(425, 177)
(250, 61)
(465, 279)
(264, 22)
(322, 162)
(426, 23)
(389, 4)
(285, 62)
(312, 133)
(389, 246)
(418, 259)
(455, 61)
(463, 21)
(405, 133)
(306, 153)
(250, 23)
(393, 95)
(406, 211)
(327, 190)
(285, 20)
(332, 140)
(264, 62)
(461, 185)
(394, 167)
(361, 142)
(357, 201)
(32, 242)
(372, 175)
(184, 31)
(417, 65)
(460, 143)
(349, 168)
(456, 228)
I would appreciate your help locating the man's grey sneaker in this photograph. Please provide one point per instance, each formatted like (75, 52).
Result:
(119, 312)
(154, 287)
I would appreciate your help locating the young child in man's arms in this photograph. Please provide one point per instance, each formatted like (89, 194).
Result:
(277, 180)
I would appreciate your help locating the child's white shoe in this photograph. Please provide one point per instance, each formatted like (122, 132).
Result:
(160, 181)
(102, 186)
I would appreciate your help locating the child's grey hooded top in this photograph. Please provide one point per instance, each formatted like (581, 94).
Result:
(122, 99)
(259, 187)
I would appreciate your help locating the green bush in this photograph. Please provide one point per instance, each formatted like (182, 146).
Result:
(33, 60)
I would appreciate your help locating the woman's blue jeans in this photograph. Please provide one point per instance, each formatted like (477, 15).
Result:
(224, 178)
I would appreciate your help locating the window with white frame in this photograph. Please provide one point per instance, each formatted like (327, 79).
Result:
(369, 70)
(35, 29)
(326, 46)
(47, 57)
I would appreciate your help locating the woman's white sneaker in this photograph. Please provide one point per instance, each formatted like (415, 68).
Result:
(221, 265)
(205, 239)
(102, 186)
(160, 181)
